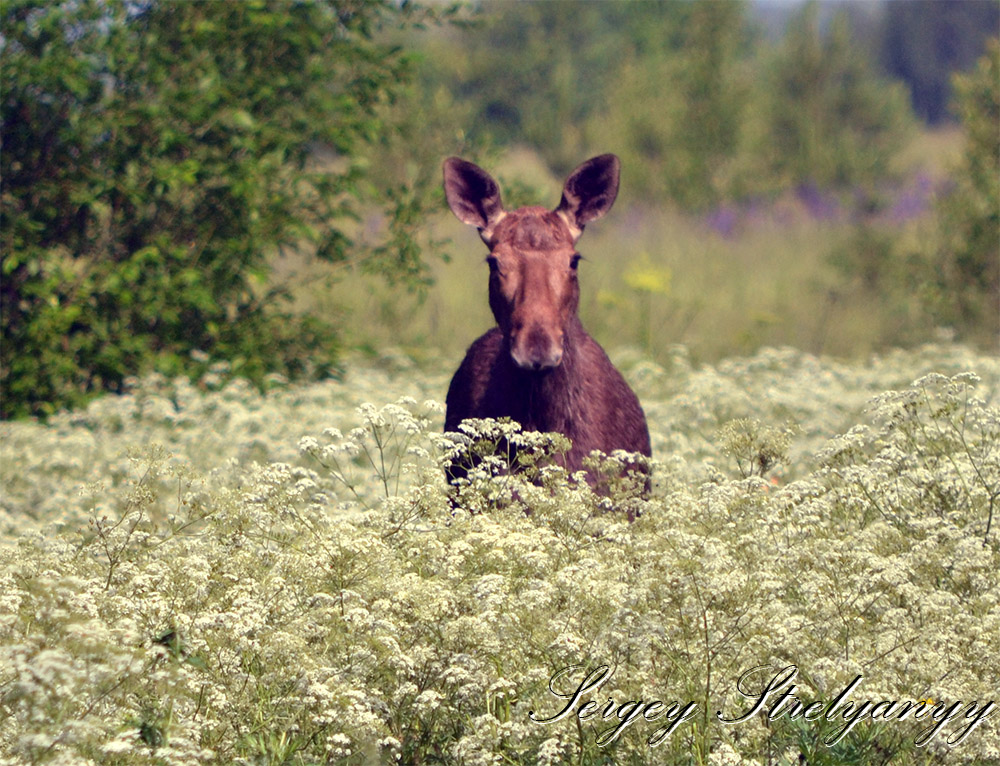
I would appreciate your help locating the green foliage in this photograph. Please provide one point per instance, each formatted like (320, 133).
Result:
(950, 276)
(831, 120)
(876, 266)
(676, 104)
(536, 73)
(715, 98)
(657, 82)
(756, 448)
(967, 265)
(157, 156)
(700, 108)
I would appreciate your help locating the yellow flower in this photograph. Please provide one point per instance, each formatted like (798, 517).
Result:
(645, 277)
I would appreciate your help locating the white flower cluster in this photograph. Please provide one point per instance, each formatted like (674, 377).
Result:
(186, 578)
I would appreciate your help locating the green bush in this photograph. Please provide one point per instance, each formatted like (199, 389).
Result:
(157, 156)
(968, 262)
(949, 276)
(831, 119)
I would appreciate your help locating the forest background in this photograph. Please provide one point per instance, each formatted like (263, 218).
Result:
(258, 183)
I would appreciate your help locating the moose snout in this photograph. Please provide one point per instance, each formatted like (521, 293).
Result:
(536, 350)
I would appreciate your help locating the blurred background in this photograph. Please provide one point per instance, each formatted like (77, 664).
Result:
(256, 185)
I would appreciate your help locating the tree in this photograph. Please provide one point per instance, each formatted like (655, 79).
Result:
(536, 72)
(968, 262)
(157, 157)
(707, 135)
(832, 120)
(924, 43)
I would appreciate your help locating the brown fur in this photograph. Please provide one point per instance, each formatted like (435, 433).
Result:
(538, 366)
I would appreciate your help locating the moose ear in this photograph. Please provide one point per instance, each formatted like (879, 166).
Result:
(589, 192)
(472, 195)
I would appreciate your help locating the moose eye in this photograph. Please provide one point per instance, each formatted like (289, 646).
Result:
(574, 261)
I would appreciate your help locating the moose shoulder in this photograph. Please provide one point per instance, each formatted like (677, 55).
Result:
(538, 366)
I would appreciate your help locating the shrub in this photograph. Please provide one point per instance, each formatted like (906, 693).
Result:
(831, 120)
(156, 157)
(967, 264)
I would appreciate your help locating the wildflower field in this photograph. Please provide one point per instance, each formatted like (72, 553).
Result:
(201, 573)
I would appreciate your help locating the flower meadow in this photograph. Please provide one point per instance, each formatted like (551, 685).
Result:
(207, 574)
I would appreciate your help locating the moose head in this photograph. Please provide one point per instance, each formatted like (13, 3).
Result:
(533, 259)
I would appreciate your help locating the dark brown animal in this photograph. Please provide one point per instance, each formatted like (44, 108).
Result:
(538, 366)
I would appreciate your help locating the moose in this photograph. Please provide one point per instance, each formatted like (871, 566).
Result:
(538, 366)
